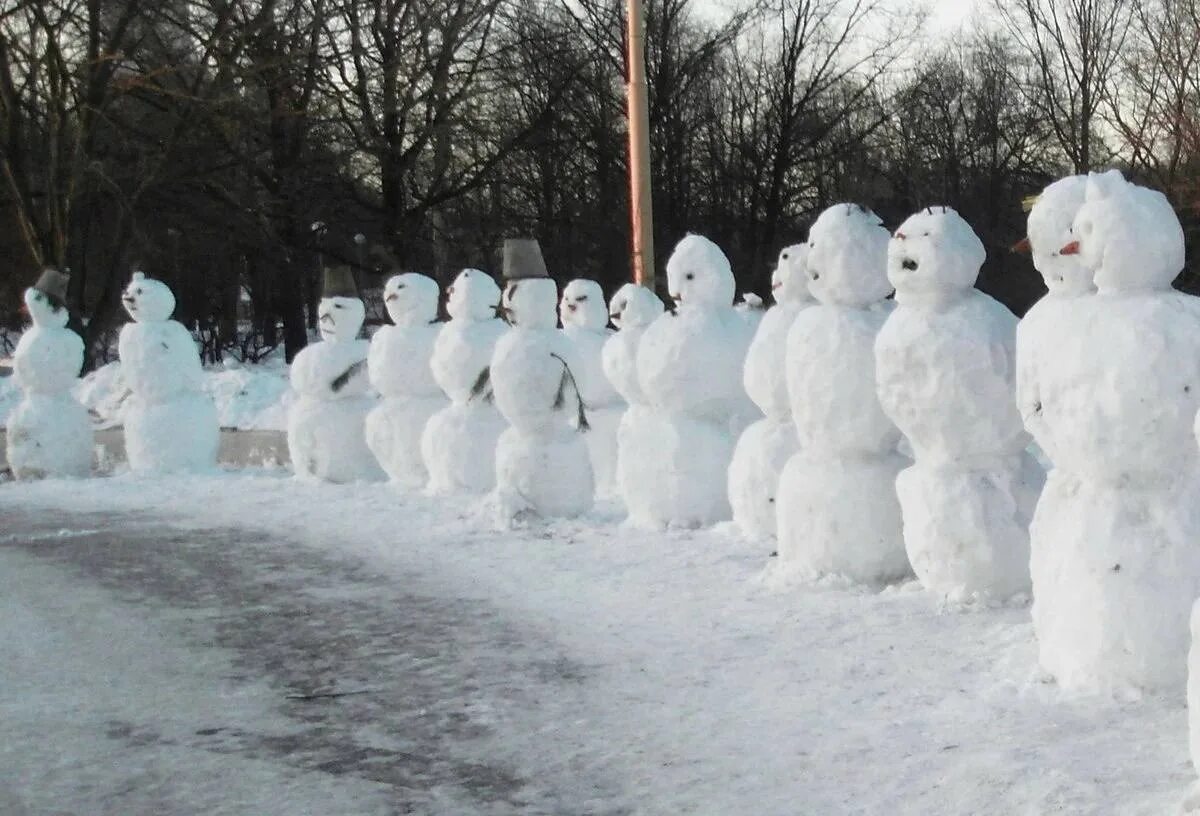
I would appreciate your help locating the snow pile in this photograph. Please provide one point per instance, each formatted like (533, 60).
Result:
(250, 398)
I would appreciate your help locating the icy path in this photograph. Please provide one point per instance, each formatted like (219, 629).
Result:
(148, 651)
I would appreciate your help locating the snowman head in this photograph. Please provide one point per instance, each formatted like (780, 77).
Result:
(411, 299)
(474, 296)
(699, 275)
(43, 311)
(1049, 229)
(634, 306)
(934, 255)
(847, 257)
(789, 281)
(530, 303)
(148, 300)
(582, 305)
(340, 318)
(1128, 235)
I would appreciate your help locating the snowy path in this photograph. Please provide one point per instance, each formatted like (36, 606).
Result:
(576, 668)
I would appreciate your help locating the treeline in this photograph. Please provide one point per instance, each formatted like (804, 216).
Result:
(232, 147)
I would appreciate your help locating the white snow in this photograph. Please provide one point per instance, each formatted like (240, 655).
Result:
(702, 689)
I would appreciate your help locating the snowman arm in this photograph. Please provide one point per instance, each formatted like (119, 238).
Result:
(482, 387)
(342, 380)
(568, 378)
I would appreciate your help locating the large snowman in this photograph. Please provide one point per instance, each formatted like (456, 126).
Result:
(689, 367)
(542, 463)
(458, 445)
(49, 432)
(945, 362)
(325, 434)
(1115, 563)
(1048, 322)
(836, 505)
(584, 317)
(632, 309)
(765, 447)
(398, 365)
(170, 423)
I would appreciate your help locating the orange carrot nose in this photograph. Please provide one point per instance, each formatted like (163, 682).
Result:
(1023, 246)
(775, 286)
(1070, 249)
(24, 310)
(900, 235)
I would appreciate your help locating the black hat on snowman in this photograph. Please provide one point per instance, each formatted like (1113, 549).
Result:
(339, 282)
(523, 260)
(53, 284)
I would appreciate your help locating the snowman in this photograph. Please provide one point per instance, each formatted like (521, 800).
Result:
(1067, 279)
(632, 309)
(689, 366)
(170, 423)
(1115, 566)
(398, 367)
(325, 433)
(765, 447)
(542, 463)
(584, 317)
(458, 445)
(945, 363)
(836, 507)
(49, 433)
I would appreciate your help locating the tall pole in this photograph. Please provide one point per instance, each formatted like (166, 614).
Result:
(641, 210)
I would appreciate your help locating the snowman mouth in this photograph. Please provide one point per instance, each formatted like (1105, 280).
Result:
(909, 264)
(326, 318)
(390, 298)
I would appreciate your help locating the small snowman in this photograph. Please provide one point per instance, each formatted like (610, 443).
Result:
(49, 432)
(398, 366)
(170, 422)
(584, 317)
(690, 368)
(632, 309)
(458, 445)
(765, 447)
(1048, 322)
(836, 507)
(945, 362)
(542, 463)
(325, 433)
(1115, 565)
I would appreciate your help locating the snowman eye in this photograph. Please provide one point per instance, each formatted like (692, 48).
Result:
(581, 298)
(337, 306)
(690, 276)
(785, 256)
(137, 291)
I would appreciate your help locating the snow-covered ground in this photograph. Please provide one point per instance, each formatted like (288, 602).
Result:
(697, 686)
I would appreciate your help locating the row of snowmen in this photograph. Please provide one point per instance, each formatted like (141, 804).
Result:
(870, 436)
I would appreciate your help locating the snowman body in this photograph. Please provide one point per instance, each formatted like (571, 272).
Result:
(584, 317)
(945, 362)
(542, 463)
(398, 365)
(765, 446)
(1115, 566)
(170, 422)
(632, 309)
(326, 423)
(836, 507)
(458, 445)
(49, 433)
(689, 368)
